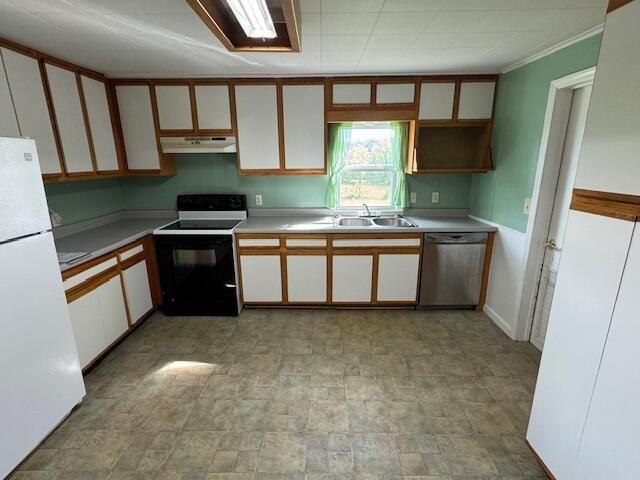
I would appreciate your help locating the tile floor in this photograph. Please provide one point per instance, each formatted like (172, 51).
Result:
(302, 395)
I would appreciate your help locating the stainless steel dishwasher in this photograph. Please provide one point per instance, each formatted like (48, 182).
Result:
(451, 270)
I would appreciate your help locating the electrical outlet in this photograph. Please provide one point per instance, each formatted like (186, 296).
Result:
(413, 197)
(258, 200)
(435, 197)
(527, 206)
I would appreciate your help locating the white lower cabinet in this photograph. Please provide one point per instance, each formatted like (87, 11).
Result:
(307, 278)
(352, 278)
(609, 445)
(261, 278)
(138, 290)
(98, 318)
(398, 277)
(593, 260)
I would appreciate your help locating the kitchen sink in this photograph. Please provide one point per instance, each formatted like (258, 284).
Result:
(392, 222)
(354, 222)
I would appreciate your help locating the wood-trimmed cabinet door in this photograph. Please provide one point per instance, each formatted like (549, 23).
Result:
(67, 105)
(137, 288)
(352, 278)
(257, 128)
(174, 108)
(307, 278)
(476, 100)
(213, 103)
(261, 278)
(304, 127)
(138, 129)
(436, 101)
(398, 277)
(98, 318)
(99, 117)
(32, 111)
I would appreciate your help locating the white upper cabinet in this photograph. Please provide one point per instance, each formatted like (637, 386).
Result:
(351, 93)
(29, 100)
(304, 126)
(257, 119)
(436, 101)
(609, 159)
(395, 93)
(138, 131)
(104, 145)
(214, 107)
(476, 100)
(174, 107)
(8, 120)
(68, 109)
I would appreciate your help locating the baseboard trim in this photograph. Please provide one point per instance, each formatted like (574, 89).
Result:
(540, 462)
(499, 321)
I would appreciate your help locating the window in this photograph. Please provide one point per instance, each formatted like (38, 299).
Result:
(367, 164)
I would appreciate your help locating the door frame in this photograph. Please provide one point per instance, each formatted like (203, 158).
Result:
(547, 171)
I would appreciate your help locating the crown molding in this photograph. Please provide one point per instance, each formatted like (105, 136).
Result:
(559, 46)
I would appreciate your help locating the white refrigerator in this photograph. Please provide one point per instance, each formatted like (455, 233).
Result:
(40, 375)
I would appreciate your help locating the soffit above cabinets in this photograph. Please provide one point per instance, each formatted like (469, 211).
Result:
(166, 38)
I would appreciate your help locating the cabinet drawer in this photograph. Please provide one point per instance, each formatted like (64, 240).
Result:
(376, 242)
(90, 272)
(306, 242)
(259, 242)
(131, 252)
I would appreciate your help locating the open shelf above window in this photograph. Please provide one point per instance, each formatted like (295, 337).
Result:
(453, 149)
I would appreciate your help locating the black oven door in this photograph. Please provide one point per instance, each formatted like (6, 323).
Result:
(197, 274)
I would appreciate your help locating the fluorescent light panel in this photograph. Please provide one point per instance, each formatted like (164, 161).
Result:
(254, 18)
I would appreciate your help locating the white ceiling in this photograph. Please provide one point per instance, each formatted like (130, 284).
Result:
(161, 38)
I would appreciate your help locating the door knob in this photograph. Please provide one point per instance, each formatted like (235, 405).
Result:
(550, 244)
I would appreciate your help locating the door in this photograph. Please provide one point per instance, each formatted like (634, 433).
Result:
(40, 373)
(138, 131)
(614, 417)
(65, 97)
(174, 107)
(27, 93)
(560, 212)
(104, 144)
(257, 119)
(352, 278)
(595, 253)
(307, 278)
(261, 278)
(303, 111)
(398, 277)
(138, 290)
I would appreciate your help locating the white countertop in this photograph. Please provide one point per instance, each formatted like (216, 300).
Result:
(324, 224)
(106, 238)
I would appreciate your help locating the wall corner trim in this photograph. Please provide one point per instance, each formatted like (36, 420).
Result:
(559, 46)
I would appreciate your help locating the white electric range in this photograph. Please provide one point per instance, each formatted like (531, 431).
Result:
(196, 255)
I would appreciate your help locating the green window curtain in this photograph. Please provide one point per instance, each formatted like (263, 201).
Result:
(338, 149)
(399, 151)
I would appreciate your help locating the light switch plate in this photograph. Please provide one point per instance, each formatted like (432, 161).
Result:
(258, 200)
(527, 206)
(413, 197)
(435, 197)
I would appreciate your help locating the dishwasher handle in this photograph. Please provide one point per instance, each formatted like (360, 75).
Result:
(475, 238)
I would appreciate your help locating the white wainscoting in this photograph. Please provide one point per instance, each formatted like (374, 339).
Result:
(505, 280)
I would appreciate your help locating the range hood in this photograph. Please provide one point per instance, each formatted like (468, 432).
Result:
(198, 144)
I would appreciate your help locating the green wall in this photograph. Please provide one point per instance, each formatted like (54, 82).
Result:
(76, 201)
(197, 173)
(218, 173)
(499, 195)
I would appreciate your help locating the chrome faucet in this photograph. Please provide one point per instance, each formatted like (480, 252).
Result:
(367, 208)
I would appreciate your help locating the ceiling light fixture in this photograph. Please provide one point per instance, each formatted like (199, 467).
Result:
(254, 18)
